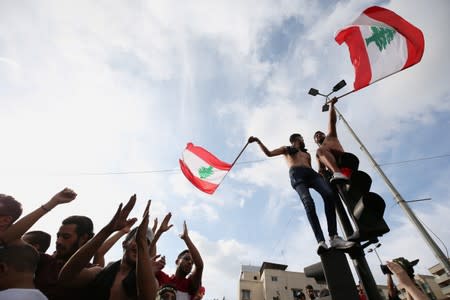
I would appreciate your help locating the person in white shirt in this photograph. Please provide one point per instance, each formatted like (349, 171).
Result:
(18, 263)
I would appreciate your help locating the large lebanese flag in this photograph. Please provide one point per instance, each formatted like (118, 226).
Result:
(203, 169)
(381, 43)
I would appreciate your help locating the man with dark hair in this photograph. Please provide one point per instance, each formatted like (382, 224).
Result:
(330, 149)
(186, 281)
(74, 232)
(10, 211)
(40, 240)
(303, 177)
(18, 263)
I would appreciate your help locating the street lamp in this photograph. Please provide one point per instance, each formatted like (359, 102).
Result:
(337, 87)
(374, 249)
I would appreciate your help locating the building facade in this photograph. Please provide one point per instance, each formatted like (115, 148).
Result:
(271, 281)
(441, 278)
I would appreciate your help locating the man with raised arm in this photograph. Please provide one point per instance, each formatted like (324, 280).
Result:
(303, 177)
(330, 149)
(11, 209)
(132, 277)
(186, 282)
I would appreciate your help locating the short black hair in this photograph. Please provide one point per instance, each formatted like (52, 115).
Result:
(294, 136)
(84, 225)
(318, 131)
(20, 257)
(10, 207)
(40, 238)
(182, 253)
(309, 287)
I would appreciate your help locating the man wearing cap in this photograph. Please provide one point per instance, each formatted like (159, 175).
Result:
(303, 177)
(330, 148)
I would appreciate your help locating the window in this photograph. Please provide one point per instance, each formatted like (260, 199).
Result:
(274, 278)
(245, 294)
(255, 277)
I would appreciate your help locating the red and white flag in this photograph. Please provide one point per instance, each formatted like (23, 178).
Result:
(381, 43)
(203, 169)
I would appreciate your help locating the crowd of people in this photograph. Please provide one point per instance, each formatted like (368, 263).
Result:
(77, 270)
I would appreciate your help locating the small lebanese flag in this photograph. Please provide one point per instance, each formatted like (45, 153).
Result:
(203, 169)
(381, 43)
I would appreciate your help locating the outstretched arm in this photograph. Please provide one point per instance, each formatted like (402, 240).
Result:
(99, 257)
(333, 119)
(145, 278)
(74, 273)
(275, 152)
(16, 230)
(162, 228)
(198, 262)
(406, 282)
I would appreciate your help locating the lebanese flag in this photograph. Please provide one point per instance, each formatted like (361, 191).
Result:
(381, 43)
(203, 169)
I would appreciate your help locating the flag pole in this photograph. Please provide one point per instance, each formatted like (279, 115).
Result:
(401, 201)
(239, 155)
(352, 91)
(232, 164)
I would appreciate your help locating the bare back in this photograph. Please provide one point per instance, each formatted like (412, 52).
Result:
(299, 159)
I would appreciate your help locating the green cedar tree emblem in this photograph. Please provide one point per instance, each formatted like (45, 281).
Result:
(204, 172)
(381, 36)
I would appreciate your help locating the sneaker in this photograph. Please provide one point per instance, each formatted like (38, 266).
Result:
(339, 178)
(322, 248)
(339, 243)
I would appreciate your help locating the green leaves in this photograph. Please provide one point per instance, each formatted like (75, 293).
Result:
(204, 172)
(381, 36)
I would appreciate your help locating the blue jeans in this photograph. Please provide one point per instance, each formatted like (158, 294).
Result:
(302, 179)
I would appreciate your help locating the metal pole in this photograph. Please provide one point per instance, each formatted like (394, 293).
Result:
(358, 257)
(401, 202)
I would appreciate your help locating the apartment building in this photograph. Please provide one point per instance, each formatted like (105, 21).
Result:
(271, 281)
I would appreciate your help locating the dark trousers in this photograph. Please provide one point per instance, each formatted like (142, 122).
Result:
(302, 179)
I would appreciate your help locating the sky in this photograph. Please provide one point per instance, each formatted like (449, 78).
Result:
(103, 96)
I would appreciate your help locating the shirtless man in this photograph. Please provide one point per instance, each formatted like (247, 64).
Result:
(330, 148)
(303, 177)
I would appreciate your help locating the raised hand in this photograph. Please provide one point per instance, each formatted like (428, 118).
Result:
(64, 196)
(253, 139)
(141, 235)
(184, 235)
(165, 223)
(159, 264)
(120, 221)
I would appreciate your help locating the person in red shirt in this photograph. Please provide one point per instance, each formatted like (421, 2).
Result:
(186, 281)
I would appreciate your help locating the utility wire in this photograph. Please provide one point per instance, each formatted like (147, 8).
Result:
(238, 163)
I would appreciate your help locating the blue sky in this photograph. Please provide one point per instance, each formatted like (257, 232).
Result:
(112, 87)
